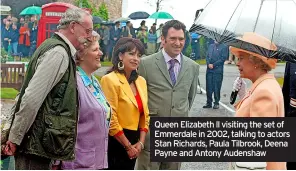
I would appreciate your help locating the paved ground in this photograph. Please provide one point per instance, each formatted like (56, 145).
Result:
(230, 73)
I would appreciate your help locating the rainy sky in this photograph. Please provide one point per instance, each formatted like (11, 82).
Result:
(183, 10)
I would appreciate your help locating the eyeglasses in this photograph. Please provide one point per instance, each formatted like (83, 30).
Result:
(87, 30)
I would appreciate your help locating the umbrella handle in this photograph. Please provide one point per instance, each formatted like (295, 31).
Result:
(233, 97)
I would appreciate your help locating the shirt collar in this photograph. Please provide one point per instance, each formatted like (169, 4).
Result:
(85, 79)
(72, 48)
(167, 58)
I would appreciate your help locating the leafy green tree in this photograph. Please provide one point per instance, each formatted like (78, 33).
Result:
(103, 12)
(83, 3)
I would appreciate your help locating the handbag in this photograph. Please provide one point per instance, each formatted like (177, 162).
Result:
(248, 166)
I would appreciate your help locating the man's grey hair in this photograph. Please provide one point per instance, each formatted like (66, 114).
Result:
(72, 14)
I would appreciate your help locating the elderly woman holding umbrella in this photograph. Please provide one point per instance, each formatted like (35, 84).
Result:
(265, 98)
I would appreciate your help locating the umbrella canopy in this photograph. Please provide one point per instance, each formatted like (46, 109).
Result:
(139, 15)
(32, 10)
(161, 15)
(122, 19)
(97, 20)
(228, 22)
(107, 23)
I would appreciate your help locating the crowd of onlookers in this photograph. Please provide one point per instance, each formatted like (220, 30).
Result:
(110, 34)
(150, 37)
(19, 36)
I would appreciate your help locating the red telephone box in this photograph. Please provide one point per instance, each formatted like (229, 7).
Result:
(51, 14)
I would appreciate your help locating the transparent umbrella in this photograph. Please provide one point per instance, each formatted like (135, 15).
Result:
(226, 22)
(121, 19)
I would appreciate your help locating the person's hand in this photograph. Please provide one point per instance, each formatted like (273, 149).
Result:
(9, 149)
(138, 146)
(132, 152)
(211, 66)
(240, 86)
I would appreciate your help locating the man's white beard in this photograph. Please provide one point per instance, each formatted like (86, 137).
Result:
(82, 40)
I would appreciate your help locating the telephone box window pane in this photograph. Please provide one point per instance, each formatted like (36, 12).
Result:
(50, 29)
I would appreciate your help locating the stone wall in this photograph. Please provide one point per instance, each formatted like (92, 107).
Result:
(114, 6)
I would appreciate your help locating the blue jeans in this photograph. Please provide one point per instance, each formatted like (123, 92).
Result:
(14, 47)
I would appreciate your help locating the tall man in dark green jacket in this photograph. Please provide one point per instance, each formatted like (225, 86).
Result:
(46, 112)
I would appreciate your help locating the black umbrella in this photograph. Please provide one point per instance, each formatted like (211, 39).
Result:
(227, 22)
(97, 20)
(139, 15)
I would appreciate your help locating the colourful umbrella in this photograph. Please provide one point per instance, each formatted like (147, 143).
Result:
(32, 10)
(161, 15)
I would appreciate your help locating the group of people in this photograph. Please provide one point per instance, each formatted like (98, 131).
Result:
(19, 38)
(111, 34)
(103, 124)
(65, 118)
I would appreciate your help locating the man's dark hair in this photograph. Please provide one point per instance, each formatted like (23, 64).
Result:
(173, 24)
(117, 22)
(128, 22)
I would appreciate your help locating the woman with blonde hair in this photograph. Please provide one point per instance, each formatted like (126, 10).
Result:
(94, 112)
(264, 98)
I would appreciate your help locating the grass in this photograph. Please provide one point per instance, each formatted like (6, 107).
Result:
(106, 64)
(201, 61)
(280, 80)
(26, 59)
(8, 93)
(98, 77)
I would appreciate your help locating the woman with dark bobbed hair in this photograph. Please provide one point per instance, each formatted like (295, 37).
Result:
(126, 92)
